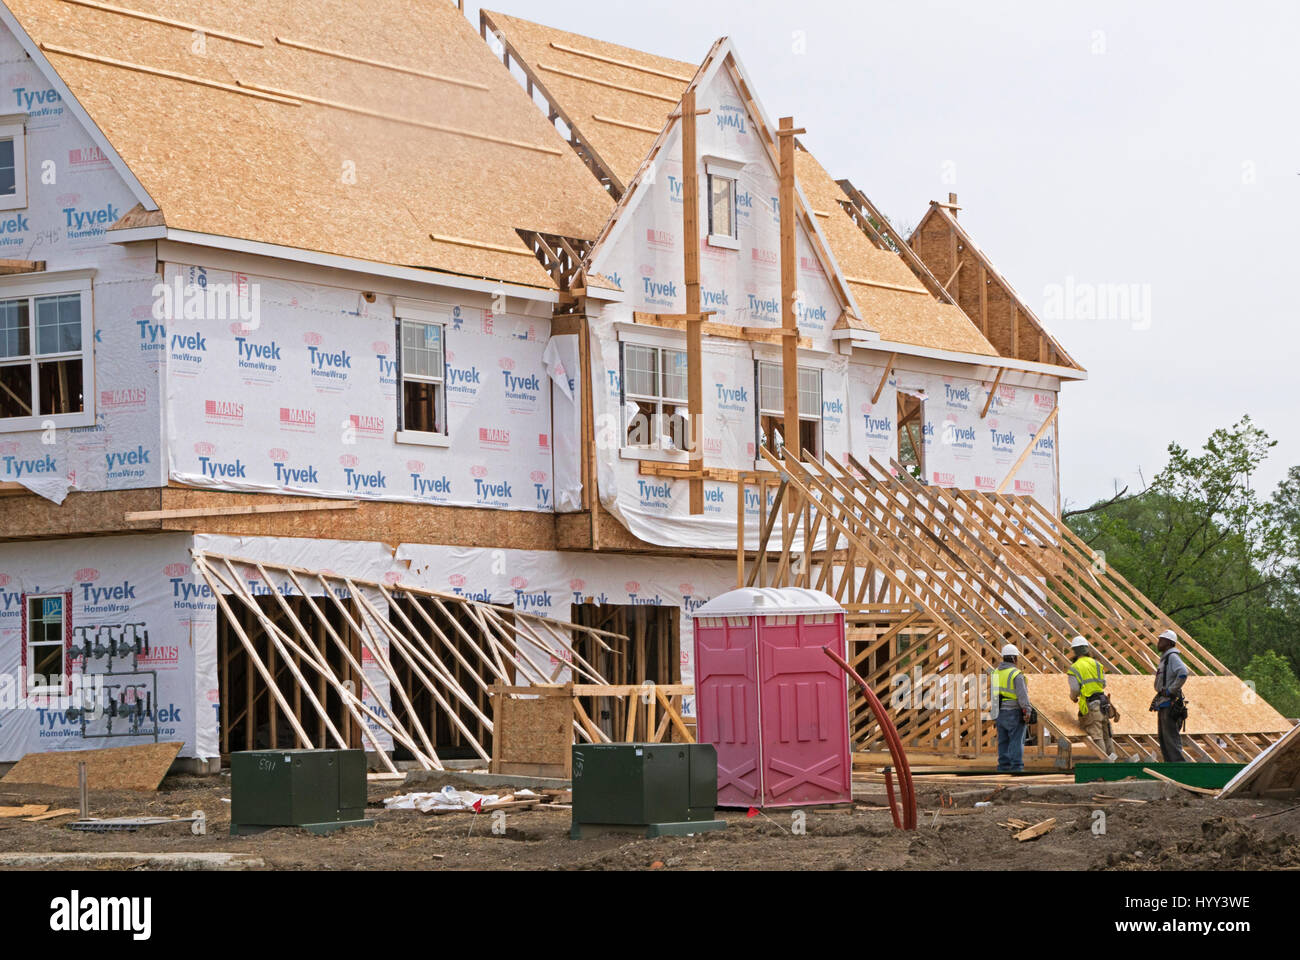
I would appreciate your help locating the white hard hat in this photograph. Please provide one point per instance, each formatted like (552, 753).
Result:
(1170, 636)
(1077, 643)
(1010, 650)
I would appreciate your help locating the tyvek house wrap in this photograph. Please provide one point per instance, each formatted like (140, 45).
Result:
(73, 197)
(306, 402)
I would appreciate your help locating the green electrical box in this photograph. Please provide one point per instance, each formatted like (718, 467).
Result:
(659, 788)
(320, 790)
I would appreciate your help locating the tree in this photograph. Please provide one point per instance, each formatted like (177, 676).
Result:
(1275, 682)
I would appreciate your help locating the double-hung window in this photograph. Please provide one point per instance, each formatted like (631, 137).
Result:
(46, 354)
(771, 409)
(655, 407)
(45, 653)
(421, 375)
(13, 162)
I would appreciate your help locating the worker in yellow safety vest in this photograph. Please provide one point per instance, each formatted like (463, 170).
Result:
(1088, 689)
(1011, 711)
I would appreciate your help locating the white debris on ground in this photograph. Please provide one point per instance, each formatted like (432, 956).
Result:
(449, 799)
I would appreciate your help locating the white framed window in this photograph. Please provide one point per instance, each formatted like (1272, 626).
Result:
(47, 619)
(47, 340)
(654, 399)
(422, 374)
(721, 179)
(13, 162)
(771, 408)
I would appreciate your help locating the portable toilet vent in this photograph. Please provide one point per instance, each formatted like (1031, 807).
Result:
(770, 700)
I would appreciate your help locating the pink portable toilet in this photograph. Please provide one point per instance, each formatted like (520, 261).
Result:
(769, 699)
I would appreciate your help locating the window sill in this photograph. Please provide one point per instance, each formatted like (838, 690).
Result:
(13, 203)
(417, 438)
(654, 454)
(59, 420)
(726, 243)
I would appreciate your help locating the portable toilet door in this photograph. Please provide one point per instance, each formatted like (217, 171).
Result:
(769, 698)
(726, 703)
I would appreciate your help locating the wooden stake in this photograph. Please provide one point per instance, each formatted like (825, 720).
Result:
(789, 288)
(694, 336)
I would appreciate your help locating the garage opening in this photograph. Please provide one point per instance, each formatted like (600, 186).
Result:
(653, 653)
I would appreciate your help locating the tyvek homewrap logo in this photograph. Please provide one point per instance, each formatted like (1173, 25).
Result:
(833, 412)
(43, 105)
(89, 223)
(635, 596)
(127, 464)
(732, 399)
(1002, 438)
(690, 602)
(764, 308)
(186, 348)
(490, 491)
(214, 468)
(436, 488)
(531, 601)
(541, 489)
(97, 598)
(493, 438)
(714, 498)
(11, 601)
(1045, 448)
(660, 293)
(878, 428)
(463, 382)
(958, 436)
(13, 230)
(387, 364)
(957, 398)
(298, 419)
(458, 582)
(578, 589)
(328, 368)
(732, 119)
(519, 392)
(255, 357)
(225, 412)
(359, 480)
(16, 467)
(367, 424)
(291, 474)
(186, 593)
(744, 203)
(655, 494)
(714, 300)
(811, 316)
(675, 186)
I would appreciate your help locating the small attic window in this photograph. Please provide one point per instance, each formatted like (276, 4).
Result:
(722, 178)
(13, 164)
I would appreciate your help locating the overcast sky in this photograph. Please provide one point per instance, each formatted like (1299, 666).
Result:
(1137, 148)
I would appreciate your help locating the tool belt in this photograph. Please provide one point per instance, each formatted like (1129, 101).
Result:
(1101, 703)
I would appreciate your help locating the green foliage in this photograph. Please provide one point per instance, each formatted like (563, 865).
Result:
(1275, 682)
(1212, 553)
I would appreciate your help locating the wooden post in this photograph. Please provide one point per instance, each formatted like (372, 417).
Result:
(789, 266)
(694, 322)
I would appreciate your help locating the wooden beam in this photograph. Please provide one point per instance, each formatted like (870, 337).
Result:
(992, 392)
(1024, 454)
(884, 378)
(141, 515)
(694, 322)
(8, 267)
(789, 284)
(727, 331)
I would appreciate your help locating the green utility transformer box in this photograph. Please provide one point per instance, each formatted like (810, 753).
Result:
(659, 788)
(321, 790)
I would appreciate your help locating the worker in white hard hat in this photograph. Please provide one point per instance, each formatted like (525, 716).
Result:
(1088, 690)
(1169, 704)
(1011, 710)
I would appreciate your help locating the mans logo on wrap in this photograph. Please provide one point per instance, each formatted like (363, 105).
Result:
(660, 239)
(362, 481)
(123, 398)
(224, 412)
(298, 419)
(1024, 488)
(367, 425)
(490, 491)
(764, 257)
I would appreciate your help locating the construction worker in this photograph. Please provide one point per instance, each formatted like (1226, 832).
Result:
(1169, 704)
(1011, 711)
(1088, 689)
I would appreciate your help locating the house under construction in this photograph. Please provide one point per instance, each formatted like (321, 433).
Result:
(353, 370)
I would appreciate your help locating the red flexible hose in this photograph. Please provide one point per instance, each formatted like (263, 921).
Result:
(906, 789)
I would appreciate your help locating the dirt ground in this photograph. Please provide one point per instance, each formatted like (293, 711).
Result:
(1183, 832)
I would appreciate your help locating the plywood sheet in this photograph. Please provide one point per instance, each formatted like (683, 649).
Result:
(1274, 773)
(1214, 705)
(113, 768)
(393, 156)
(536, 731)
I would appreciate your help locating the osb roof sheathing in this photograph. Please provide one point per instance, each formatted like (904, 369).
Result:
(414, 157)
(595, 82)
(911, 315)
